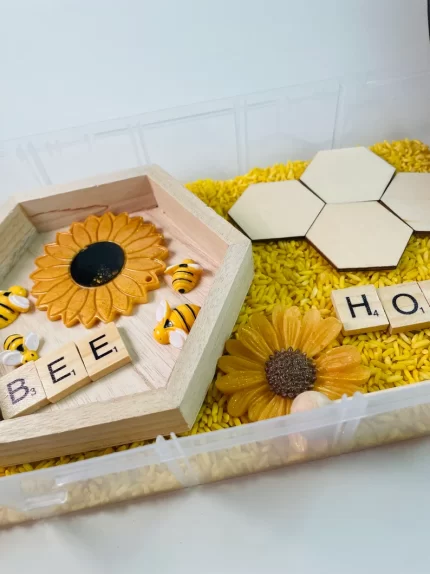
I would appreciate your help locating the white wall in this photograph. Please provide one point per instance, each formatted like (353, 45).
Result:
(360, 71)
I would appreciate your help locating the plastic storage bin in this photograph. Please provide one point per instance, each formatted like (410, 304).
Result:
(222, 139)
(349, 424)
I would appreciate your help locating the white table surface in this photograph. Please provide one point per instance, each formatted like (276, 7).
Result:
(366, 512)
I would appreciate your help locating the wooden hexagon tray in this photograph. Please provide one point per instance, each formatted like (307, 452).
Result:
(163, 388)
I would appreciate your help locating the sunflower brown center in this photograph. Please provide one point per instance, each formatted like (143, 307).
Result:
(97, 264)
(290, 373)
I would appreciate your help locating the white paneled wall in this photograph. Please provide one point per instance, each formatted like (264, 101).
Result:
(223, 138)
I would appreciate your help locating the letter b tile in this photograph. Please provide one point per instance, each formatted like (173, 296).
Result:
(21, 392)
(359, 309)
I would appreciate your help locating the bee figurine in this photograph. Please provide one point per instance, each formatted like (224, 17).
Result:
(12, 302)
(185, 275)
(174, 324)
(19, 351)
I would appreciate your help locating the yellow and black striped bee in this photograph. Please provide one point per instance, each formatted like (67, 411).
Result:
(19, 351)
(12, 302)
(174, 324)
(185, 275)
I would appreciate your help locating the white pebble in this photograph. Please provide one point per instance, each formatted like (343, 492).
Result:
(308, 401)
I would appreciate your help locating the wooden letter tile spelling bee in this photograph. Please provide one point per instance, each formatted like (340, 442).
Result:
(62, 372)
(103, 352)
(21, 392)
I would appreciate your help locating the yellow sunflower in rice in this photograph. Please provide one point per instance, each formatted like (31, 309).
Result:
(271, 363)
(98, 269)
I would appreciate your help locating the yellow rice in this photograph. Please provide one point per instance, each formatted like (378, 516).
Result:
(293, 273)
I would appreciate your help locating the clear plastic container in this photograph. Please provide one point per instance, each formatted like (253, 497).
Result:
(349, 424)
(221, 139)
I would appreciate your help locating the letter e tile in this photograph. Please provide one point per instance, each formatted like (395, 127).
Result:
(21, 392)
(359, 309)
(62, 372)
(103, 352)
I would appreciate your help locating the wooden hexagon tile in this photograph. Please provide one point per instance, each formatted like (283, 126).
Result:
(361, 235)
(408, 196)
(276, 210)
(348, 175)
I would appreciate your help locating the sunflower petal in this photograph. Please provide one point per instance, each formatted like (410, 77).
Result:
(148, 279)
(338, 359)
(325, 332)
(88, 312)
(239, 380)
(143, 264)
(310, 322)
(104, 304)
(121, 221)
(75, 305)
(155, 252)
(51, 272)
(229, 364)
(238, 349)
(120, 301)
(46, 261)
(80, 235)
(270, 409)
(60, 252)
(292, 328)
(278, 322)
(127, 231)
(238, 402)
(333, 395)
(59, 305)
(142, 231)
(258, 405)
(356, 375)
(254, 342)
(287, 406)
(92, 225)
(56, 292)
(41, 287)
(105, 227)
(144, 243)
(129, 287)
(262, 325)
(277, 407)
(66, 240)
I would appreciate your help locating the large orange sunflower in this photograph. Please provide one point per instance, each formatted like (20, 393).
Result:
(98, 269)
(270, 363)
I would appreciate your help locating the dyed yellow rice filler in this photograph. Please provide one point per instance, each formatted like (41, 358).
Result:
(293, 273)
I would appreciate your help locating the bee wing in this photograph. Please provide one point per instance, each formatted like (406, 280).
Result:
(10, 358)
(32, 341)
(162, 311)
(177, 338)
(171, 269)
(195, 266)
(19, 303)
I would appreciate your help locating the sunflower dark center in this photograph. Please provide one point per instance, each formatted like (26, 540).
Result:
(97, 264)
(290, 373)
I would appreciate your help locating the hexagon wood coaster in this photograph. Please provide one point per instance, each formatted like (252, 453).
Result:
(162, 389)
(276, 210)
(361, 235)
(408, 196)
(348, 175)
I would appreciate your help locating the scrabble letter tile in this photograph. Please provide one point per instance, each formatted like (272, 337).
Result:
(21, 392)
(62, 372)
(359, 309)
(405, 306)
(425, 288)
(103, 352)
